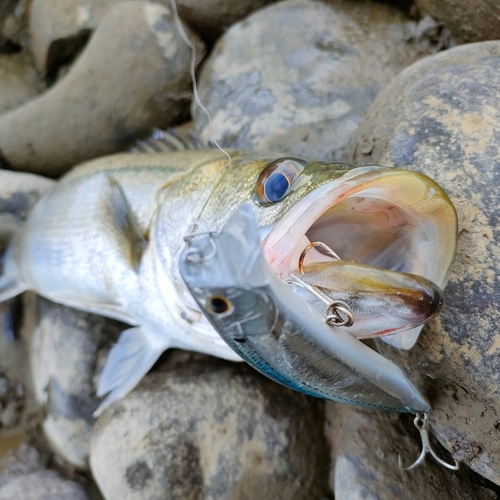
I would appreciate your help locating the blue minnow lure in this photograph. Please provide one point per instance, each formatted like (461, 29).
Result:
(280, 334)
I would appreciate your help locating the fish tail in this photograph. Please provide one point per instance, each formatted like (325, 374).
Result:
(11, 282)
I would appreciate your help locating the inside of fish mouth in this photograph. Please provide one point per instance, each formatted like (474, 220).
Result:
(368, 230)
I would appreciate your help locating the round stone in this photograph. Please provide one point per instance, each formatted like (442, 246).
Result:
(440, 117)
(298, 76)
(211, 432)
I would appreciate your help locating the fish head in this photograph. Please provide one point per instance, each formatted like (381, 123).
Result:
(393, 219)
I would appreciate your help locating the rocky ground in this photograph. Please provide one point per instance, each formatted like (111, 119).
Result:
(358, 81)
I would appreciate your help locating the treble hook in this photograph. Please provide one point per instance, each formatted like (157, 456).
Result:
(420, 423)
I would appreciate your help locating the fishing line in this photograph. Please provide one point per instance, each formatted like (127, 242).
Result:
(192, 68)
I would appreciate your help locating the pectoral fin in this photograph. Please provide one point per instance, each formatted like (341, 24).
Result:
(124, 219)
(128, 361)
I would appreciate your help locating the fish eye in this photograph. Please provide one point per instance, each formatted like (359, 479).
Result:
(217, 304)
(275, 180)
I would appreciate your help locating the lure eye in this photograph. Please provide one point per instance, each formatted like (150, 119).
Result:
(276, 179)
(218, 304)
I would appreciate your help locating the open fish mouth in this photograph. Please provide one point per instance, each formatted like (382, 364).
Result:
(393, 219)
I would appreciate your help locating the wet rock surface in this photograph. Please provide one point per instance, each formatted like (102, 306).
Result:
(43, 485)
(304, 77)
(133, 75)
(370, 449)
(439, 117)
(211, 432)
(468, 21)
(67, 351)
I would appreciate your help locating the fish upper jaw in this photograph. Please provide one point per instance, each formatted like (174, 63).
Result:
(388, 218)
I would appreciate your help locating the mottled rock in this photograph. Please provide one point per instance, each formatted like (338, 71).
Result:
(440, 117)
(60, 28)
(298, 76)
(367, 446)
(132, 76)
(65, 347)
(44, 485)
(468, 21)
(19, 461)
(211, 432)
(19, 81)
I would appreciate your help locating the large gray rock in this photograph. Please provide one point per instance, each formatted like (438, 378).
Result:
(468, 21)
(67, 350)
(441, 117)
(370, 449)
(60, 28)
(211, 433)
(44, 485)
(298, 76)
(132, 76)
(19, 81)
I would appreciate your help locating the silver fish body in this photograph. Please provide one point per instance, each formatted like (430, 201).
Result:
(269, 326)
(108, 237)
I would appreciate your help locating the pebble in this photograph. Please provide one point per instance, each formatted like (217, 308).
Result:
(304, 76)
(19, 81)
(65, 345)
(132, 76)
(468, 21)
(367, 446)
(440, 117)
(43, 485)
(212, 432)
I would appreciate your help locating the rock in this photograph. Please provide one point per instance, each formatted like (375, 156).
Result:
(132, 76)
(13, 25)
(44, 485)
(60, 28)
(19, 81)
(468, 21)
(64, 349)
(440, 117)
(19, 461)
(212, 432)
(304, 76)
(211, 17)
(366, 445)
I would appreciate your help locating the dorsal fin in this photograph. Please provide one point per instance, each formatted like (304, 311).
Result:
(166, 141)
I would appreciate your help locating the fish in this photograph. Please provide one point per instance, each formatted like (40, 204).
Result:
(108, 237)
(279, 333)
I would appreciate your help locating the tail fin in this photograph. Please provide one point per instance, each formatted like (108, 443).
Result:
(11, 283)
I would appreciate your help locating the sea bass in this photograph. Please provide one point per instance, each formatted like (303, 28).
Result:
(107, 239)
(280, 334)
